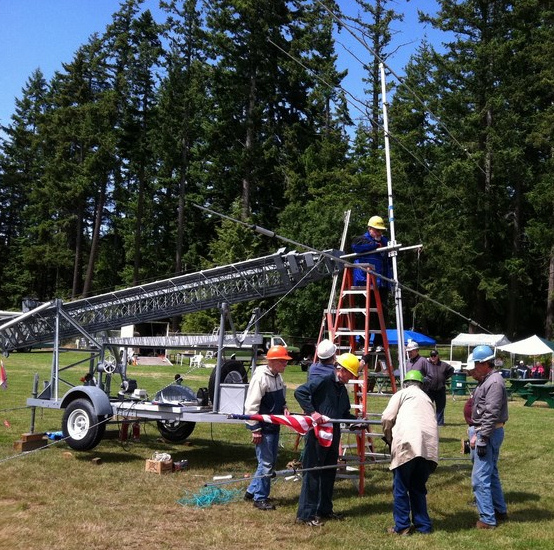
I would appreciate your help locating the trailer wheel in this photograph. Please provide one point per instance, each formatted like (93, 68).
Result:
(82, 427)
(232, 372)
(176, 432)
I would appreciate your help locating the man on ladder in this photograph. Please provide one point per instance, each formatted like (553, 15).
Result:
(372, 240)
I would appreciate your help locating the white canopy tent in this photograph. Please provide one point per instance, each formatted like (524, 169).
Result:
(468, 340)
(534, 345)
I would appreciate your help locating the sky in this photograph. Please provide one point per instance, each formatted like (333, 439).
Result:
(46, 33)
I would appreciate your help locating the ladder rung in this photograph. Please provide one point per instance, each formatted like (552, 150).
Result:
(344, 310)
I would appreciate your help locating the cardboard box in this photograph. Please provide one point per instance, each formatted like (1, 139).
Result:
(159, 466)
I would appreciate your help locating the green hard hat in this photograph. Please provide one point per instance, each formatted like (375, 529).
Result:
(414, 375)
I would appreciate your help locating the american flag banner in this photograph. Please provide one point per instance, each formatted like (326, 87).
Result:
(301, 424)
(3, 376)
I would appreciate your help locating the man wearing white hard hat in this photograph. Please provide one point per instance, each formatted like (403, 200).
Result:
(326, 352)
(415, 361)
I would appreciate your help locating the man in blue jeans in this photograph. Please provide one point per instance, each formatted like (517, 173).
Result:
(266, 395)
(410, 427)
(489, 413)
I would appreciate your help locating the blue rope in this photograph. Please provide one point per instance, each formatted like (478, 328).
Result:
(209, 496)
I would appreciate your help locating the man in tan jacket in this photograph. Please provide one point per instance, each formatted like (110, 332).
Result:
(410, 427)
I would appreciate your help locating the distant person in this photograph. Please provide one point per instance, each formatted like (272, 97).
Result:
(266, 395)
(538, 370)
(326, 354)
(489, 413)
(522, 370)
(415, 361)
(436, 373)
(373, 239)
(410, 428)
(323, 396)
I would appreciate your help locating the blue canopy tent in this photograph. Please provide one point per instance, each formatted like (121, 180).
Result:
(421, 339)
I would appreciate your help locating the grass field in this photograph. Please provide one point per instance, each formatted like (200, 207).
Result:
(59, 498)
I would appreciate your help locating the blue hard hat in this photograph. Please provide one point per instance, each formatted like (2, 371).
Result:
(482, 354)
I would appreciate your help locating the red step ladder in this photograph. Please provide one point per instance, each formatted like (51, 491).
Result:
(347, 325)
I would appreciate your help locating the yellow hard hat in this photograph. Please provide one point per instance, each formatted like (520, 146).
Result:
(349, 362)
(377, 223)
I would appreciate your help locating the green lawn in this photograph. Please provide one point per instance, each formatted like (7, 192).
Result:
(59, 498)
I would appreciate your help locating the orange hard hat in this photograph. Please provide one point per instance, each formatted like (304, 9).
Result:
(278, 352)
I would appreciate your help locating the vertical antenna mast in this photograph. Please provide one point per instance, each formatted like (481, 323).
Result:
(331, 303)
(392, 242)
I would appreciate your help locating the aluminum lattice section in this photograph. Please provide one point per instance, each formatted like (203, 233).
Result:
(264, 277)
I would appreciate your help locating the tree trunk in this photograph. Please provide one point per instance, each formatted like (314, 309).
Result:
(95, 241)
(549, 324)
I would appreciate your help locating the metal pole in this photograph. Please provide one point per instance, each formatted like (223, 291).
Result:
(54, 379)
(393, 254)
(331, 303)
(381, 457)
(34, 409)
(220, 342)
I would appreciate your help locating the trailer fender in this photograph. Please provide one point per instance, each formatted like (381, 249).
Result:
(100, 401)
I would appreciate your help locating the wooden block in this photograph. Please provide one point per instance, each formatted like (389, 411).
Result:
(24, 446)
(32, 437)
(158, 466)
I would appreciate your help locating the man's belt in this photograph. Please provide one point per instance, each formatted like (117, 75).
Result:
(496, 426)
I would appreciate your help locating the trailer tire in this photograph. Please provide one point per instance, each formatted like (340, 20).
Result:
(176, 432)
(82, 428)
(232, 372)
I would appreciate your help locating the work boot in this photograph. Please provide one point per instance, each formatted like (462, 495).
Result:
(482, 525)
(402, 532)
(264, 505)
(333, 515)
(501, 516)
(313, 522)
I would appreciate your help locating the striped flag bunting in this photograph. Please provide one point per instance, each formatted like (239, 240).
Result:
(301, 424)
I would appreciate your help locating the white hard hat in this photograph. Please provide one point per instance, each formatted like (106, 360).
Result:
(326, 349)
(412, 344)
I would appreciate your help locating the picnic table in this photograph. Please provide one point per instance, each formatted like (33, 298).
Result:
(519, 386)
(540, 392)
(383, 382)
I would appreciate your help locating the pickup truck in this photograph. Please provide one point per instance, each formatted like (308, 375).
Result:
(268, 340)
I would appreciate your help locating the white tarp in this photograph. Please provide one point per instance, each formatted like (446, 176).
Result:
(470, 340)
(534, 345)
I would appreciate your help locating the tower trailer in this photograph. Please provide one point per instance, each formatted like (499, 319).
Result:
(176, 409)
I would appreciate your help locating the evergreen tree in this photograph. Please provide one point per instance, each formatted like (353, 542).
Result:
(184, 107)
(21, 166)
(472, 205)
(133, 44)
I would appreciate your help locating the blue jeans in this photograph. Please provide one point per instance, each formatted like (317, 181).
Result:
(266, 453)
(486, 481)
(410, 495)
(439, 398)
(316, 495)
